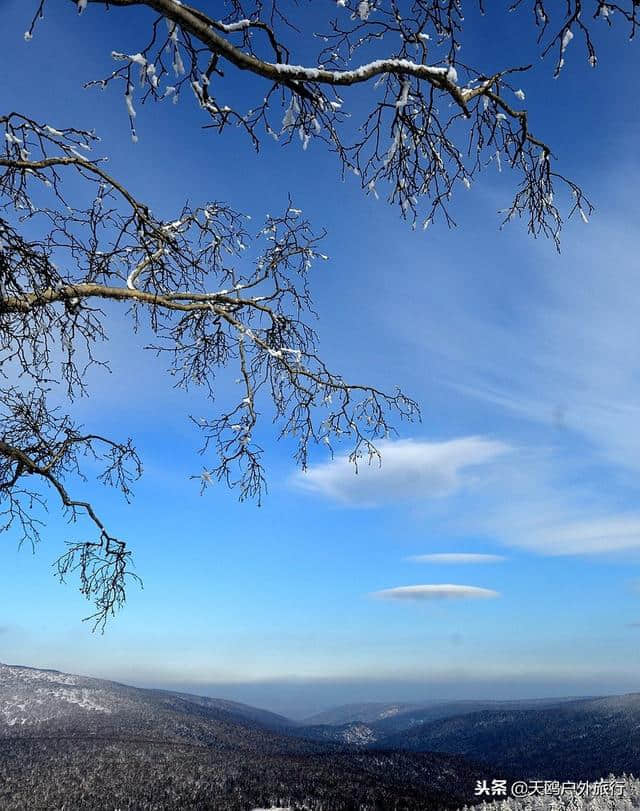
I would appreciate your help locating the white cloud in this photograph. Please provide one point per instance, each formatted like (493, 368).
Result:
(614, 533)
(440, 591)
(544, 502)
(411, 470)
(456, 557)
(530, 499)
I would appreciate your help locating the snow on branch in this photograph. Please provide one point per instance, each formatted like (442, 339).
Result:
(433, 122)
(214, 297)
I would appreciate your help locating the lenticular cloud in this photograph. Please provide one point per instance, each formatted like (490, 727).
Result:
(456, 557)
(439, 591)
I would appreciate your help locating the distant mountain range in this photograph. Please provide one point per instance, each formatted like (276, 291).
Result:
(379, 724)
(553, 739)
(74, 741)
(364, 713)
(375, 723)
(89, 744)
(584, 739)
(32, 698)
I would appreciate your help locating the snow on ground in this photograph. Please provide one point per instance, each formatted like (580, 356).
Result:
(44, 705)
(30, 696)
(358, 734)
(28, 675)
(389, 712)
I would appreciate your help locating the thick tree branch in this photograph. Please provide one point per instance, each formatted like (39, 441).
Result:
(408, 141)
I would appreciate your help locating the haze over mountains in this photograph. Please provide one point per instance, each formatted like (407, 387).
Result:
(74, 740)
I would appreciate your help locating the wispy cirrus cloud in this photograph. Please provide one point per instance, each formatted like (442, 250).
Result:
(561, 357)
(410, 470)
(610, 533)
(456, 557)
(436, 591)
(544, 503)
(526, 499)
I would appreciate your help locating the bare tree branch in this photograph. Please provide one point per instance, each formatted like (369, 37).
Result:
(213, 298)
(38, 445)
(433, 122)
(212, 295)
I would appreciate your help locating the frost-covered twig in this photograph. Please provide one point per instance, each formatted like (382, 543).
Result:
(456, 120)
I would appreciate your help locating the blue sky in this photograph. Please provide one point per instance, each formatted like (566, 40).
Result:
(527, 367)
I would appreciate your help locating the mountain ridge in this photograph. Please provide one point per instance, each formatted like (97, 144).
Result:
(582, 739)
(87, 744)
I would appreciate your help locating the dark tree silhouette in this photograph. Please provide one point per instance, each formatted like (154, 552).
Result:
(431, 123)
